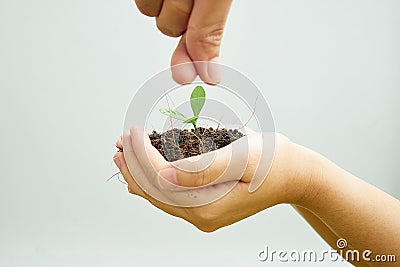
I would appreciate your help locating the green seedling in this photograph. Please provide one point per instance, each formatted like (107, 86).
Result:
(197, 100)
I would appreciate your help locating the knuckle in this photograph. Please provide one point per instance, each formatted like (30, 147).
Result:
(209, 36)
(180, 7)
(201, 177)
(169, 31)
(192, 178)
(198, 179)
(204, 177)
(207, 175)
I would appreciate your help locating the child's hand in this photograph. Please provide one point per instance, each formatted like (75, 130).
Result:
(179, 192)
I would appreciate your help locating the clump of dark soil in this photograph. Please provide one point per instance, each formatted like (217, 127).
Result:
(177, 144)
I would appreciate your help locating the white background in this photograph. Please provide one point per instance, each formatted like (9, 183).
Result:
(68, 69)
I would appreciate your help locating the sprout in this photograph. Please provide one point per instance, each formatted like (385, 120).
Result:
(197, 100)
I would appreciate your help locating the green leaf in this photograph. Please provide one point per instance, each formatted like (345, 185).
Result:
(173, 114)
(192, 120)
(197, 99)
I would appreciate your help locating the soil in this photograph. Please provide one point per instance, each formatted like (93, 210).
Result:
(177, 144)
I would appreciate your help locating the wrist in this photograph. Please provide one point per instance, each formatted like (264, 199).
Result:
(304, 173)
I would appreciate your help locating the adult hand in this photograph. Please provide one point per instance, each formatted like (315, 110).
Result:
(281, 185)
(200, 23)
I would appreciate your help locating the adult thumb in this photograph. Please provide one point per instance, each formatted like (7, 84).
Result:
(204, 36)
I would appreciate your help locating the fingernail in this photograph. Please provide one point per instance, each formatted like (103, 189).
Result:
(214, 71)
(167, 178)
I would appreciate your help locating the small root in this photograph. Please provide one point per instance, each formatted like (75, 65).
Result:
(117, 174)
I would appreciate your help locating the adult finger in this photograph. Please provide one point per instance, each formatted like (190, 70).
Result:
(149, 8)
(204, 36)
(174, 17)
(182, 67)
